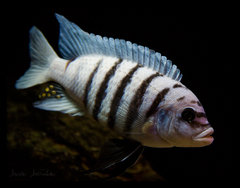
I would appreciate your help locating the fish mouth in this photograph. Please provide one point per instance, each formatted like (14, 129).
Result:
(205, 136)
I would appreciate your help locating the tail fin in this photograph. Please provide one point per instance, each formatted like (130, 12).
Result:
(42, 55)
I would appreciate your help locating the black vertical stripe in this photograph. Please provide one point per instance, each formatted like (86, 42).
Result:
(136, 102)
(177, 86)
(101, 94)
(89, 82)
(68, 63)
(180, 98)
(156, 102)
(118, 95)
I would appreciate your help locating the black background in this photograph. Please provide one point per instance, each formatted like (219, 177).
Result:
(191, 42)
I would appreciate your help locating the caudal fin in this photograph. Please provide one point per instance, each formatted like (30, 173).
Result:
(42, 55)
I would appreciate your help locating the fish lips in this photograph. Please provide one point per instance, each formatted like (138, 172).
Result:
(205, 136)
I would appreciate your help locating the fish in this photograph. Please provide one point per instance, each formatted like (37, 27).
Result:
(134, 90)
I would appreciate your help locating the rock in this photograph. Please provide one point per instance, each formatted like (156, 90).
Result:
(55, 146)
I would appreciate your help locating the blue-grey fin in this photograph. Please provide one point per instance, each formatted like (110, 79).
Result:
(42, 55)
(54, 98)
(116, 156)
(74, 42)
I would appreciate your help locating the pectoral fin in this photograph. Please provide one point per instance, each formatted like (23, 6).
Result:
(116, 156)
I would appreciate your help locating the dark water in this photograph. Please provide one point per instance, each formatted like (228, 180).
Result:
(51, 146)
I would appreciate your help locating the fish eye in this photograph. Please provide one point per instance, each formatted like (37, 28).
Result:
(188, 114)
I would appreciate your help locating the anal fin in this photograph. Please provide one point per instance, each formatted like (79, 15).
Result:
(54, 98)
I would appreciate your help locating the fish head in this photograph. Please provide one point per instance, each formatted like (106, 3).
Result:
(184, 123)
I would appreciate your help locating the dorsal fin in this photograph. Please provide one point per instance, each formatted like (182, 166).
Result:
(74, 42)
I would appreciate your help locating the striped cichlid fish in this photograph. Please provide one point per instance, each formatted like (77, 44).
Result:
(132, 89)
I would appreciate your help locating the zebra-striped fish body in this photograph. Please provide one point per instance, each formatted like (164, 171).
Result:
(116, 92)
(128, 87)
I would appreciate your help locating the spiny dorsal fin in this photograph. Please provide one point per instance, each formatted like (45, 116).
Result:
(74, 42)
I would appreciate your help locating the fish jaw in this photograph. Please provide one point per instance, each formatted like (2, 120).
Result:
(205, 137)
